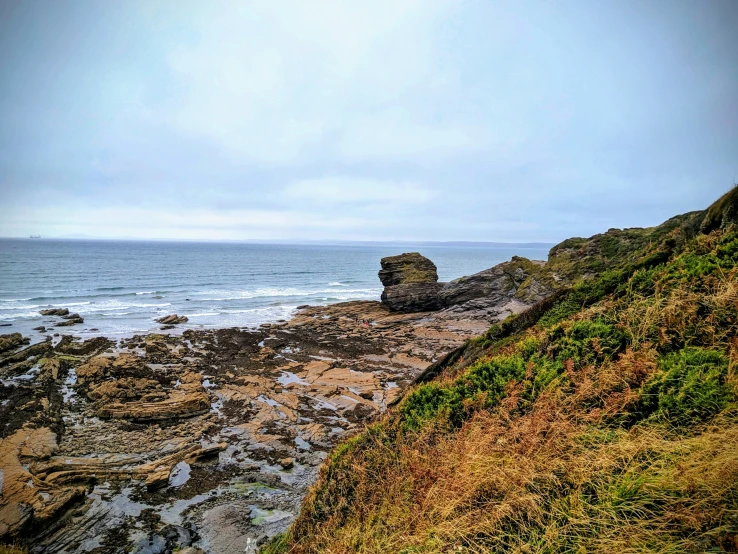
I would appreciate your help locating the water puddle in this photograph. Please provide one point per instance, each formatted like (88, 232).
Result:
(260, 516)
(302, 443)
(268, 401)
(180, 474)
(287, 377)
(217, 406)
(67, 388)
(26, 377)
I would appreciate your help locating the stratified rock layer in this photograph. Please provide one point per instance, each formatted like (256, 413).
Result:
(411, 283)
(413, 297)
(407, 268)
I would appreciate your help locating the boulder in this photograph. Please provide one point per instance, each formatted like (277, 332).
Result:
(172, 319)
(407, 268)
(410, 283)
(69, 320)
(12, 341)
(55, 311)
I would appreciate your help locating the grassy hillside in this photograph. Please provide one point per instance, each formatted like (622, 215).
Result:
(603, 419)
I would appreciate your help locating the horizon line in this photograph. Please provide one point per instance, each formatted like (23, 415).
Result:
(295, 241)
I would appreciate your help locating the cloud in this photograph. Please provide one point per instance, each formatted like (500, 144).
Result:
(333, 191)
(385, 119)
(280, 83)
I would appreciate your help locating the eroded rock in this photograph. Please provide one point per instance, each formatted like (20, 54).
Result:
(172, 319)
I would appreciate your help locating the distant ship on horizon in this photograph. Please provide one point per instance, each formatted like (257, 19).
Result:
(35, 236)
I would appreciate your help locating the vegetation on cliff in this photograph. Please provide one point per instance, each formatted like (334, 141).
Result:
(604, 418)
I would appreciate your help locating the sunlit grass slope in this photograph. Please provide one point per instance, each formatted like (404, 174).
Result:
(603, 420)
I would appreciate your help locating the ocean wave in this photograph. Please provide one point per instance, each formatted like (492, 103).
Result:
(222, 295)
(337, 284)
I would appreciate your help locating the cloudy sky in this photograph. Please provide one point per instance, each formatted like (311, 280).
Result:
(378, 120)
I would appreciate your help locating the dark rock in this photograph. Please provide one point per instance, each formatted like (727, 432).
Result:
(172, 319)
(497, 286)
(72, 316)
(70, 320)
(413, 297)
(41, 328)
(6, 324)
(55, 311)
(407, 268)
(410, 283)
(12, 341)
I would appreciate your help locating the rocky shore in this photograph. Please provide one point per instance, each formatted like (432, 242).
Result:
(208, 440)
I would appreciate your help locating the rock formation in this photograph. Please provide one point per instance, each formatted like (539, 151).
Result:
(172, 319)
(55, 311)
(410, 283)
(517, 282)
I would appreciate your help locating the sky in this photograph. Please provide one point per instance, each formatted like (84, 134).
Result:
(482, 120)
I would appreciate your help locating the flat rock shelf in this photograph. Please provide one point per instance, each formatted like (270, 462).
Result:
(203, 440)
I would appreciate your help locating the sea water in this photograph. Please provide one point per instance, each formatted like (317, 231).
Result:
(121, 287)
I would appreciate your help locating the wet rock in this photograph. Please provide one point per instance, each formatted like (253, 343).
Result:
(172, 319)
(12, 341)
(93, 370)
(157, 479)
(73, 319)
(25, 497)
(40, 329)
(287, 463)
(55, 311)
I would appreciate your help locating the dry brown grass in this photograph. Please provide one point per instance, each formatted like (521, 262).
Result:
(559, 478)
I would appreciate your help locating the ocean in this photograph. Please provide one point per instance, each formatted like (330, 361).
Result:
(121, 287)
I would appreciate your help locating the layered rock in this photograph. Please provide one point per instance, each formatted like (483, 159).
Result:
(172, 319)
(520, 280)
(410, 283)
(12, 341)
(413, 297)
(55, 311)
(407, 268)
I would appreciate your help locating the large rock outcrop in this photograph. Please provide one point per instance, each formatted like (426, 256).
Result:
(520, 280)
(410, 283)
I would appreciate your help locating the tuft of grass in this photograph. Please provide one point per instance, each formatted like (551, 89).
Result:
(691, 386)
(12, 549)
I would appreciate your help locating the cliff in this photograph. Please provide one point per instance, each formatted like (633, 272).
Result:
(602, 418)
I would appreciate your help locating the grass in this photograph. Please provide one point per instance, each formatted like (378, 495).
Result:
(12, 549)
(604, 419)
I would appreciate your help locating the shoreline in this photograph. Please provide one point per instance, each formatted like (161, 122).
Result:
(215, 433)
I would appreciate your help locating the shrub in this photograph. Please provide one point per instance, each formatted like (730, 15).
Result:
(690, 387)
